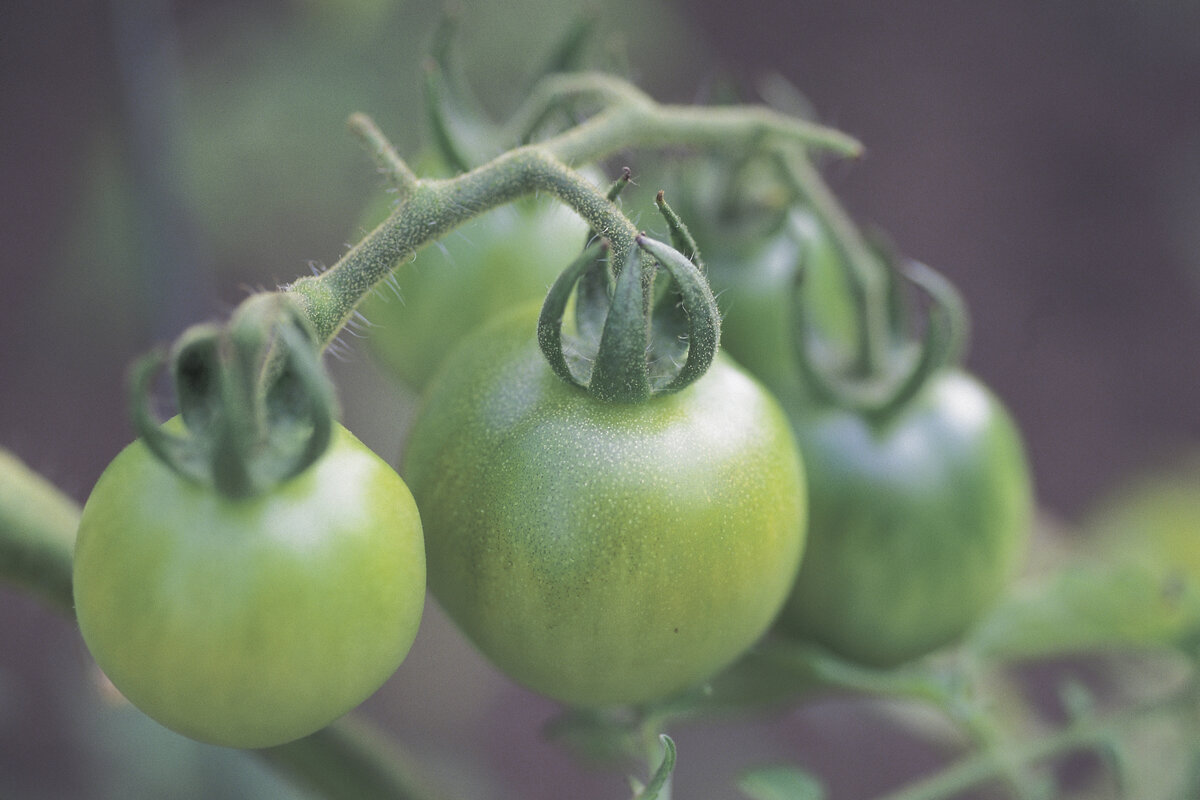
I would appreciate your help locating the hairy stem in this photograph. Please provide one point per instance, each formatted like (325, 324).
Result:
(430, 209)
(398, 173)
(434, 208)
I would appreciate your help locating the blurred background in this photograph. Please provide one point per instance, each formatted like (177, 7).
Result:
(159, 159)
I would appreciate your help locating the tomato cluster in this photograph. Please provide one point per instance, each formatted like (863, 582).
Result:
(600, 550)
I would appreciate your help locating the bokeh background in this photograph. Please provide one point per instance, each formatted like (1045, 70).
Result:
(158, 159)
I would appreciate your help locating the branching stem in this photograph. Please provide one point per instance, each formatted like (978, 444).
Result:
(987, 765)
(429, 209)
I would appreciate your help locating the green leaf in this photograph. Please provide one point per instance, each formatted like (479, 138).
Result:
(1139, 588)
(1092, 607)
(780, 783)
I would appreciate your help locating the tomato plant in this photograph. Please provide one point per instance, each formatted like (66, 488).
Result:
(616, 514)
(250, 622)
(603, 553)
(917, 523)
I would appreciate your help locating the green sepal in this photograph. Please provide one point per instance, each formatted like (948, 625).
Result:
(703, 317)
(256, 406)
(681, 238)
(185, 455)
(944, 340)
(594, 290)
(195, 391)
(662, 775)
(632, 357)
(621, 374)
(570, 365)
(911, 364)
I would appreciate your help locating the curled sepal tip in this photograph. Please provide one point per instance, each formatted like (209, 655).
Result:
(567, 362)
(256, 406)
(696, 297)
(879, 396)
(681, 237)
(659, 781)
(618, 361)
(945, 334)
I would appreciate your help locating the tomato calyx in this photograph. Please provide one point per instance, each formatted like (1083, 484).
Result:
(912, 361)
(641, 332)
(255, 402)
(631, 346)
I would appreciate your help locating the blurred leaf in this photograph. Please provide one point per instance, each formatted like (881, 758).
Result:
(1089, 607)
(1133, 584)
(780, 783)
(1154, 519)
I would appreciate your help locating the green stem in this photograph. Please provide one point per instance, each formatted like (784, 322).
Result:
(346, 759)
(389, 162)
(711, 127)
(435, 207)
(429, 208)
(660, 760)
(556, 91)
(995, 764)
(642, 122)
(37, 534)
(868, 280)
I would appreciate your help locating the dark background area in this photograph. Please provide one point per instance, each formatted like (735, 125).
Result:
(1044, 155)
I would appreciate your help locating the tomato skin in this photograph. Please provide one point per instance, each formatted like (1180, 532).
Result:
(603, 554)
(249, 623)
(915, 526)
(508, 256)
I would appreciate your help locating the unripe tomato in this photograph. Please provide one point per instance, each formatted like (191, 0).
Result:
(916, 523)
(603, 554)
(251, 622)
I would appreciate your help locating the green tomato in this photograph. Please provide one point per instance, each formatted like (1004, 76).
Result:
(756, 287)
(249, 623)
(603, 554)
(506, 257)
(916, 525)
